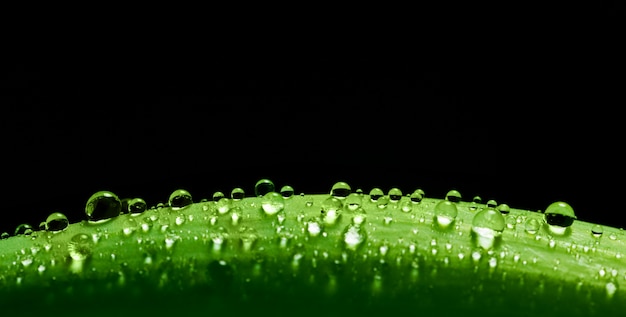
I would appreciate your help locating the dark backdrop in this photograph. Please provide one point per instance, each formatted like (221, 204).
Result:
(522, 129)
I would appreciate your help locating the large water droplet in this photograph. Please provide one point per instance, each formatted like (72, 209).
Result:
(559, 216)
(353, 237)
(487, 227)
(272, 203)
(237, 193)
(445, 213)
(180, 198)
(340, 190)
(56, 222)
(287, 191)
(137, 206)
(375, 194)
(453, 196)
(263, 186)
(80, 246)
(103, 205)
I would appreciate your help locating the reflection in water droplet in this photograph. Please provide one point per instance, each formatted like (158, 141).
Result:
(445, 213)
(559, 216)
(56, 222)
(263, 186)
(340, 190)
(237, 194)
(487, 227)
(353, 237)
(376, 193)
(394, 194)
(103, 205)
(180, 198)
(80, 246)
(597, 231)
(272, 203)
(532, 225)
(137, 206)
(287, 191)
(453, 196)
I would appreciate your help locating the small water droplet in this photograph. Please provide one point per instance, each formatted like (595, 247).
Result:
(272, 203)
(511, 222)
(417, 196)
(137, 206)
(491, 203)
(477, 199)
(80, 246)
(217, 196)
(331, 210)
(406, 205)
(340, 190)
(237, 194)
(597, 231)
(313, 227)
(395, 194)
(4, 235)
(103, 205)
(24, 229)
(375, 194)
(248, 236)
(180, 198)
(445, 213)
(56, 222)
(611, 288)
(382, 202)
(453, 196)
(504, 209)
(263, 186)
(353, 201)
(559, 216)
(487, 227)
(353, 237)
(287, 191)
(532, 225)
(224, 205)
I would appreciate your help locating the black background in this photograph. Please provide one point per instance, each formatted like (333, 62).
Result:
(526, 124)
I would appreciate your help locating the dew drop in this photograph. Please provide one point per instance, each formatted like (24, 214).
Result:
(559, 216)
(248, 237)
(137, 206)
(237, 194)
(224, 205)
(532, 225)
(287, 191)
(597, 231)
(375, 194)
(272, 203)
(417, 196)
(313, 227)
(491, 204)
(395, 194)
(477, 200)
(382, 202)
(353, 237)
(103, 205)
(610, 288)
(331, 210)
(406, 205)
(180, 198)
(263, 186)
(340, 190)
(504, 209)
(4, 235)
(445, 213)
(80, 246)
(353, 201)
(217, 196)
(24, 229)
(56, 222)
(453, 196)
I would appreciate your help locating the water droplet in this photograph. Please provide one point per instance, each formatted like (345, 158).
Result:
(248, 236)
(491, 203)
(445, 213)
(137, 206)
(559, 216)
(597, 231)
(4, 235)
(532, 225)
(487, 227)
(80, 246)
(272, 203)
(313, 227)
(237, 194)
(217, 196)
(24, 229)
(406, 205)
(287, 191)
(453, 196)
(511, 222)
(56, 222)
(503, 209)
(395, 194)
(477, 199)
(224, 205)
(263, 186)
(416, 196)
(376, 193)
(340, 190)
(353, 237)
(331, 210)
(359, 216)
(353, 201)
(180, 198)
(103, 205)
